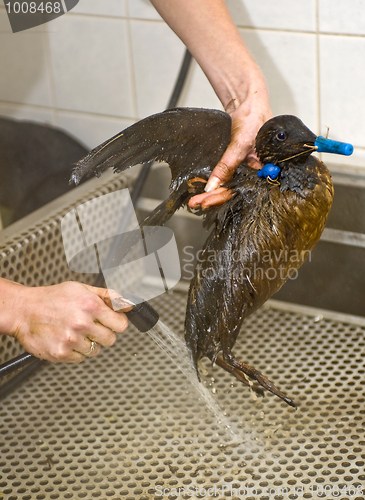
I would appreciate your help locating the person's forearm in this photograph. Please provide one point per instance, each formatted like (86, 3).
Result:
(208, 31)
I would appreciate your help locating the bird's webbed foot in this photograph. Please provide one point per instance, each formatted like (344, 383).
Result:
(242, 377)
(240, 369)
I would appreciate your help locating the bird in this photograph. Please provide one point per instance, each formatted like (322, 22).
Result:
(258, 238)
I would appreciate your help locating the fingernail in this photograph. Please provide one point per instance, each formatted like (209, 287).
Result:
(121, 303)
(212, 184)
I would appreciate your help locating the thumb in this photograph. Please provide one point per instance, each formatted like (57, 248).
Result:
(111, 298)
(226, 166)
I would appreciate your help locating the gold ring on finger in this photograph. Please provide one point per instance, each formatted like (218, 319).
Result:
(93, 347)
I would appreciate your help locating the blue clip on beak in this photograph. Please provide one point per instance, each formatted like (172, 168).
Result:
(329, 146)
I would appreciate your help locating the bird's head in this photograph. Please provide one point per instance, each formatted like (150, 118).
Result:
(282, 138)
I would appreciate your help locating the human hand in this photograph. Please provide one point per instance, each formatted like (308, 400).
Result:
(59, 323)
(247, 119)
(208, 31)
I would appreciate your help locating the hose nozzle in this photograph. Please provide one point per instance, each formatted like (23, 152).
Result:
(143, 316)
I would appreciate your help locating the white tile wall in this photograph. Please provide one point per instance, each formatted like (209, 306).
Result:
(288, 61)
(115, 8)
(90, 129)
(197, 92)
(25, 112)
(297, 15)
(343, 86)
(155, 64)
(107, 63)
(142, 9)
(91, 65)
(23, 77)
(342, 17)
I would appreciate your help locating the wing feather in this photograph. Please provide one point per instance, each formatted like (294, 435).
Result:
(190, 140)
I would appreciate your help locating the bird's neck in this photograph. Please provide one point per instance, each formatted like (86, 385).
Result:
(301, 176)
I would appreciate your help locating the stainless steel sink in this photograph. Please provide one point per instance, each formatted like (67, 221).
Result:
(128, 424)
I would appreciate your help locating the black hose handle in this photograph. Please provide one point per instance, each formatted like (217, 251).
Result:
(16, 363)
(143, 316)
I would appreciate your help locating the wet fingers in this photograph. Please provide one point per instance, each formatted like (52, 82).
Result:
(206, 200)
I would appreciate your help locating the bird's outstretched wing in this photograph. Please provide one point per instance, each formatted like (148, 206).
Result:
(190, 140)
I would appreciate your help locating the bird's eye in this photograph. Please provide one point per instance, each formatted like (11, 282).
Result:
(281, 136)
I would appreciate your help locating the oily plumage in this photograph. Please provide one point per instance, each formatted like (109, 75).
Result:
(260, 237)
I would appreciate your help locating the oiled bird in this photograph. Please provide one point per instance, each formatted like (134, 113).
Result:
(260, 236)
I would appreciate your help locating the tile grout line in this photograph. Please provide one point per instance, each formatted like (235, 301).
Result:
(131, 63)
(70, 111)
(86, 113)
(302, 32)
(50, 76)
(240, 26)
(319, 114)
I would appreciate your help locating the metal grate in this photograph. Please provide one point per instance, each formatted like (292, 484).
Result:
(128, 425)
(32, 251)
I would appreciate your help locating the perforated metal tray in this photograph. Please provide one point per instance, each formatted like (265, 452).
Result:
(128, 424)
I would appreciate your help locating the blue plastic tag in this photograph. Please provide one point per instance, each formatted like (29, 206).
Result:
(329, 146)
(269, 170)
